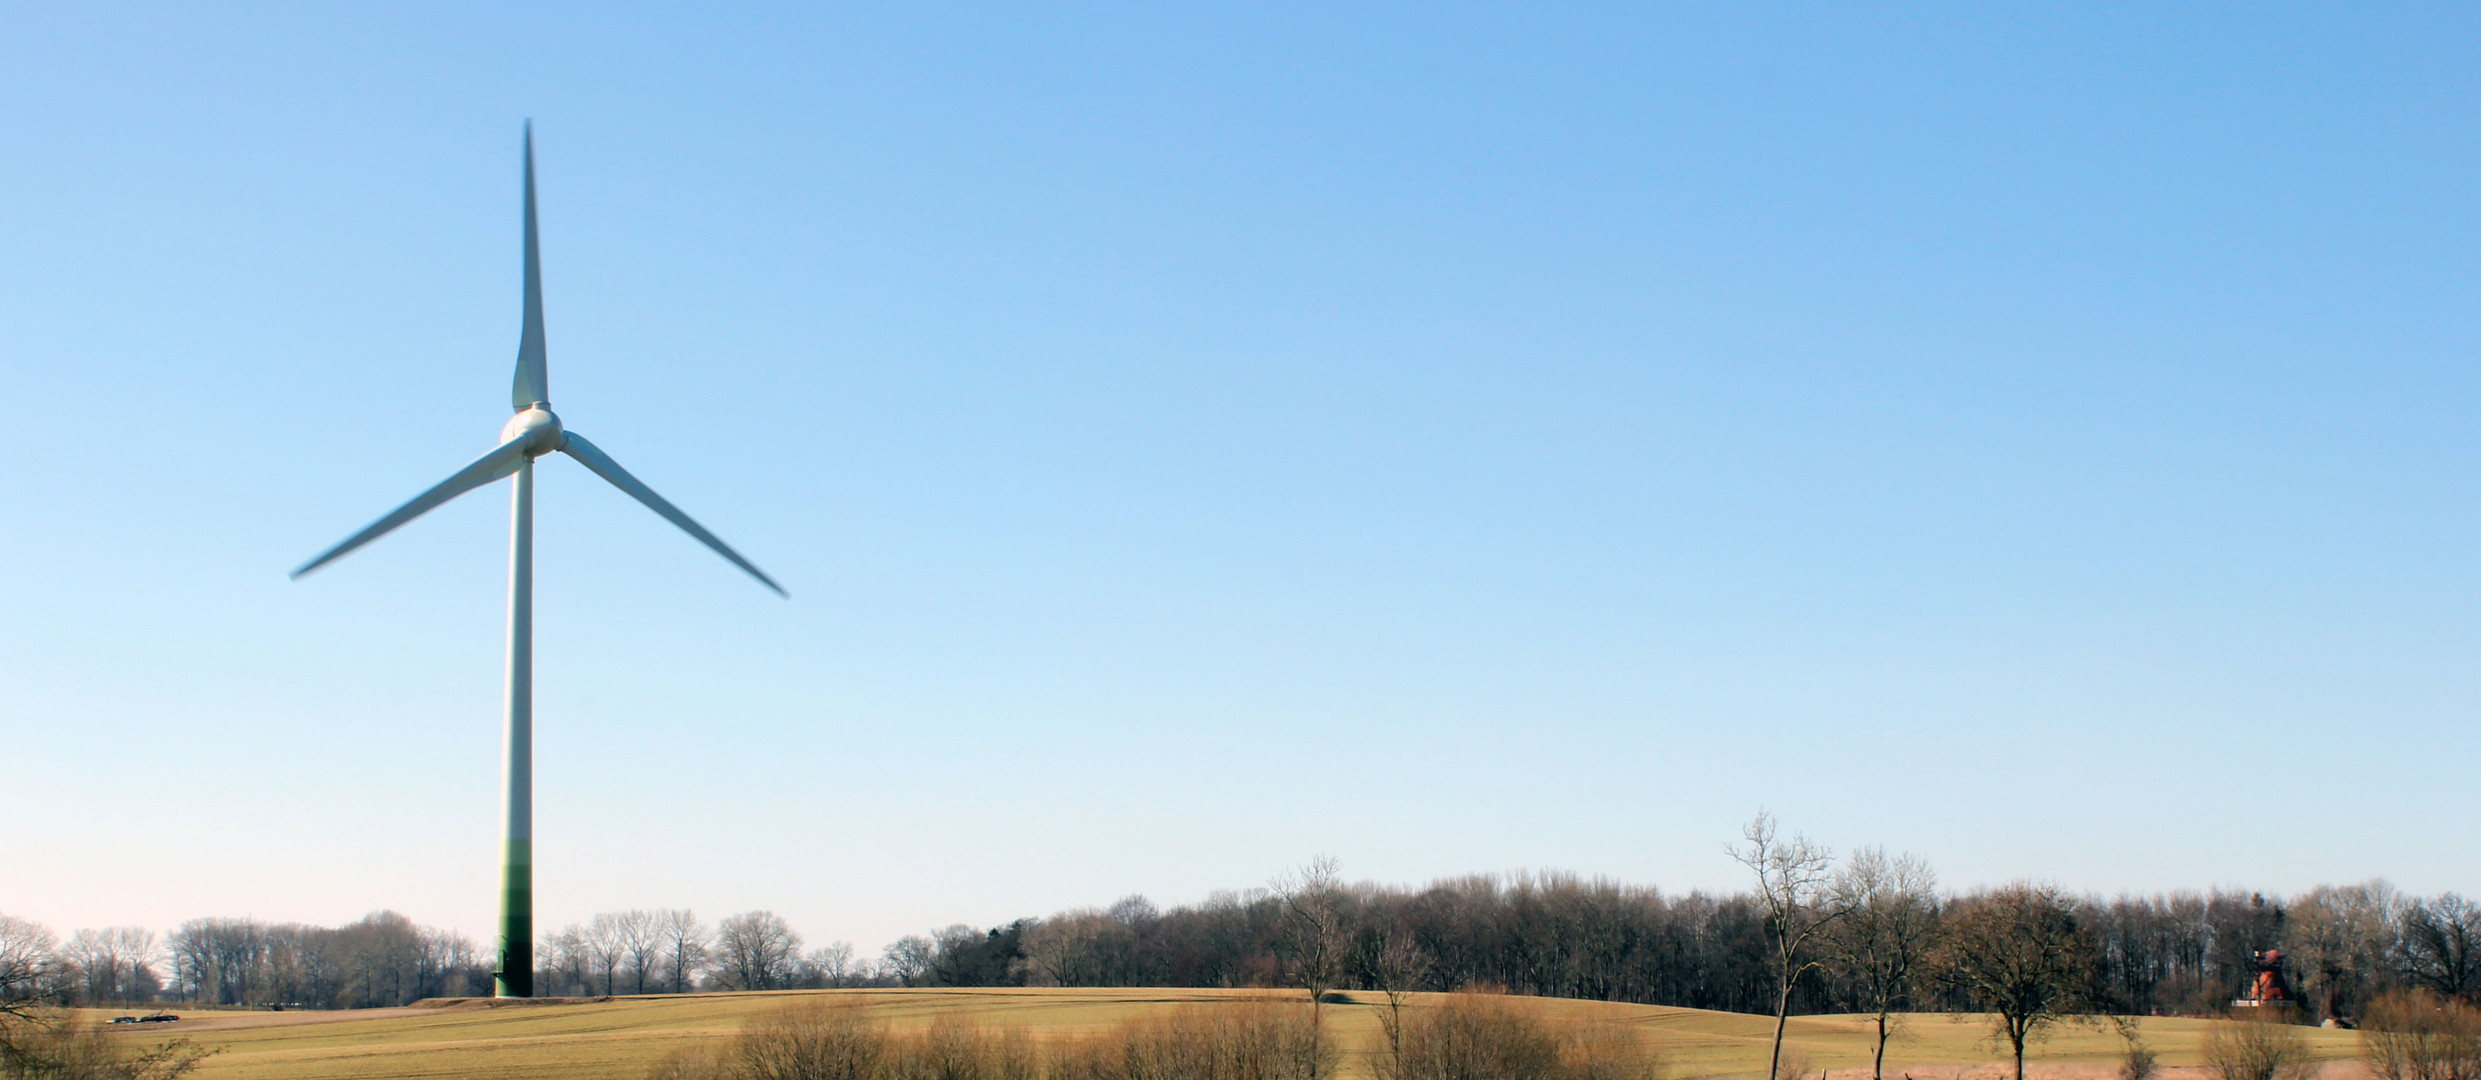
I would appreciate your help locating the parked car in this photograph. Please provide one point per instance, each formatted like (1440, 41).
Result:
(157, 1018)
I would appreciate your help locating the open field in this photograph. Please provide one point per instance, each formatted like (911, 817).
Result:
(619, 1037)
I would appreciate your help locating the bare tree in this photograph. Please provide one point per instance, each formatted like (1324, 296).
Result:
(756, 950)
(29, 962)
(442, 957)
(909, 958)
(1313, 905)
(1398, 967)
(607, 947)
(225, 958)
(684, 940)
(2339, 938)
(94, 959)
(2442, 944)
(571, 959)
(27, 957)
(1061, 950)
(2022, 953)
(641, 943)
(833, 964)
(1890, 913)
(1793, 881)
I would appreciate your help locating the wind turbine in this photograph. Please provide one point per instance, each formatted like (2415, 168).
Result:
(530, 434)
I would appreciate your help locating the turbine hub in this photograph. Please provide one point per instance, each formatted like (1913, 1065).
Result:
(537, 426)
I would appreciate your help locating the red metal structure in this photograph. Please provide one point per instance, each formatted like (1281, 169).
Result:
(2268, 989)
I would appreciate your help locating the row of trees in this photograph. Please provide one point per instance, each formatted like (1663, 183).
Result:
(385, 959)
(1567, 936)
(1869, 934)
(672, 952)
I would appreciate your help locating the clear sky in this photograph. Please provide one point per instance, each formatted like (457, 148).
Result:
(1198, 438)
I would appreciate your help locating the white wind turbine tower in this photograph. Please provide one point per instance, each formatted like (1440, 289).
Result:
(532, 433)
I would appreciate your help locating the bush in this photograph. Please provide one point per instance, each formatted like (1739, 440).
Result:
(2256, 1048)
(2418, 1035)
(819, 1039)
(1263, 1039)
(1605, 1051)
(836, 1039)
(1479, 1037)
(50, 1048)
(2138, 1061)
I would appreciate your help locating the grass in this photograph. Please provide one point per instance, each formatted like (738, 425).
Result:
(620, 1037)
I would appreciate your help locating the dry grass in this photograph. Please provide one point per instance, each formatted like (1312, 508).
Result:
(624, 1037)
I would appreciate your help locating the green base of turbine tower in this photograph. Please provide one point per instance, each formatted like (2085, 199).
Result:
(515, 977)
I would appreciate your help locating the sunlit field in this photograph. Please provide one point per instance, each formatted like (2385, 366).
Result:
(621, 1037)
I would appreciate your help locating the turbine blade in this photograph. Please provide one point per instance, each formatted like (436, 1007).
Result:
(576, 446)
(533, 382)
(501, 461)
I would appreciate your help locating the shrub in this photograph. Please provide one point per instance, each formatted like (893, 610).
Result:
(956, 1047)
(1481, 1037)
(2138, 1061)
(52, 1048)
(1605, 1051)
(817, 1039)
(835, 1039)
(702, 1062)
(1263, 1039)
(2418, 1035)
(2256, 1048)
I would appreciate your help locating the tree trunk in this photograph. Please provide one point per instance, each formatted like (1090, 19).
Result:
(1783, 1011)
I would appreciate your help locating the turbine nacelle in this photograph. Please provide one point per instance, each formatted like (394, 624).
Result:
(535, 431)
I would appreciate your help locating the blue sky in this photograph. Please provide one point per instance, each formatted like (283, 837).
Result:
(1198, 438)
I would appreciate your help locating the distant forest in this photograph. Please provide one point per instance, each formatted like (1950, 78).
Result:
(1542, 934)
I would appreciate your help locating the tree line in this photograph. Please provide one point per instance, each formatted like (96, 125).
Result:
(1871, 934)
(1563, 935)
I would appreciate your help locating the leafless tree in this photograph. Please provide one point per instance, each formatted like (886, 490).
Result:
(571, 960)
(1313, 905)
(28, 953)
(443, 956)
(1794, 881)
(375, 960)
(91, 964)
(1398, 967)
(29, 966)
(2338, 937)
(2021, 953)
(2442, 945)
(684, 942)
(641, 943)
(607, 947)
(756, 950)
(1890, 912)
(909, 958)
(226, 959)
(833, 964)
(1062, 950)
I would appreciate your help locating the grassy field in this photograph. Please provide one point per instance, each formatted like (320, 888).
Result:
(620, 1037)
